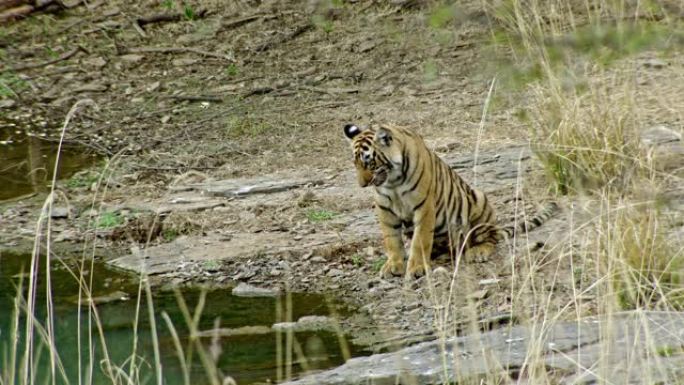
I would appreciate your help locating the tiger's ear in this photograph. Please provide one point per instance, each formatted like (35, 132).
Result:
(383, 136)
(351, 130)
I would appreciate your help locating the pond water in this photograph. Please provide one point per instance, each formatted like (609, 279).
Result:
(248, 358)
(27, 161)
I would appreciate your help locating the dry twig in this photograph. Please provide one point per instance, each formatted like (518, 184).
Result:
(178, 49)
(64, 56)
(166, 17)
(283, 38)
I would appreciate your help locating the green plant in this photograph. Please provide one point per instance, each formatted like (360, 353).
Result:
(377, 264)
(82, 180)
(51, 52)
(170, 234)
(168, 4)
(109, 220)
(320, 215)
(232, 70)
(430, 71)
(357, 260)
(249, 127)
(669, 351)
(211, 265)
(189, 12)
(441, 16)
(11, 85)
(324, 24)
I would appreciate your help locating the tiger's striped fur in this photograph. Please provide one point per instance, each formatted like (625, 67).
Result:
(416, 192)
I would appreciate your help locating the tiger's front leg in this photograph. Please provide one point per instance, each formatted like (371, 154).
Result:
(423, 237)
(390, 225)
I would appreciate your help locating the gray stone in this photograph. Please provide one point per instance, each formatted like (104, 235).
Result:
(247, 290)
(7, 103)
(60, 212)
(570, 349)
(659, 135)
(489, 281)
(183, 62)
(131, 58)
(655, 63)
(97, 62)
(248, 186)
(306, 324)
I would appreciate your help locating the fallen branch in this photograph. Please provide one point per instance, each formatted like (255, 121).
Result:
(7, 4)
(16, 13)
(284, 38)
(258, 91)
(240, 22)
(330, 91)
(64, 56)
(196, 98)
(166, 17)
(178, 49)
(17, 9)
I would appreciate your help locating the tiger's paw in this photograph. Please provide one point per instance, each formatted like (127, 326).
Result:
(479, 253)
(390, 269)
(416, 269)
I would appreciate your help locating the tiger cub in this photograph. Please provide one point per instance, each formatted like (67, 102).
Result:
(417, 192)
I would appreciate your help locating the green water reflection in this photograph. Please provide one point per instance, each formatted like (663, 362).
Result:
(247, 358)
(27, 162)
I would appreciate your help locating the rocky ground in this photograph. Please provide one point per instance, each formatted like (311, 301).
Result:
(221, 129)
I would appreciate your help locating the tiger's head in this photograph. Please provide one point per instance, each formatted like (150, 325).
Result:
(376, 153)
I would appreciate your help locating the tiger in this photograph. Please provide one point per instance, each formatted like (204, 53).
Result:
(418, 194)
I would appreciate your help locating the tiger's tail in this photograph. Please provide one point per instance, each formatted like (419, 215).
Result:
(537, 220)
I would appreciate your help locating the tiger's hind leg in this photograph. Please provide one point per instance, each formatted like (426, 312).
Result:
(482, 243)
(480, 253)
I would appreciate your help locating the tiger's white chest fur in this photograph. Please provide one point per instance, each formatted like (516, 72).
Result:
(393, 198)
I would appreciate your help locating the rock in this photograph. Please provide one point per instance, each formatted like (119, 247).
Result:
(97, 62)
(666, 147)
(335, 273)
(568, 349)
(91, 87)
(131, 58)
(240, 331)
(68, 235)
(489, 281)
(184, 62)
(318, 259)
(441, 272)
(7, 103)
(60, 212)
(306, 324)
(165, 119)
(153, 87)
(247, 186)
(655, 63)
(247, 290)
(114, 296)
(658, 135)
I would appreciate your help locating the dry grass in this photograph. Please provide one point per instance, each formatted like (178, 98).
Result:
(585, 112)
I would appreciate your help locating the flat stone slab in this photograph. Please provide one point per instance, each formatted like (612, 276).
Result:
(175, 255)
(634, 347)
(247, 186)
